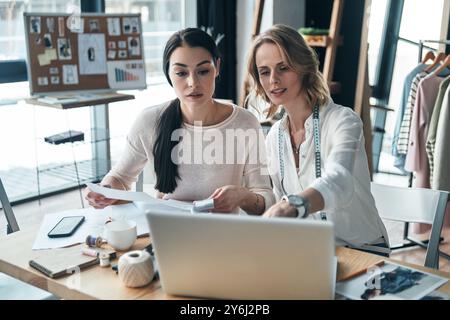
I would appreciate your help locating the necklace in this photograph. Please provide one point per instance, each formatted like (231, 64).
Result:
(294, 147)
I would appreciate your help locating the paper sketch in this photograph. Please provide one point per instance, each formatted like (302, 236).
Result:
(92, 53)
(94, 25)
(122, 44)
(54, 80)
(70, 74)
(75, 23)
(122, 54)
(64, 49)
(42, 81)
(50, 25)
(388, 282)
(130, 25)
(48, 40)
(111, 44)
(35, 24)
(53, 70)
(113, 26)
(112, 54)
(134, 47)
(61, 26)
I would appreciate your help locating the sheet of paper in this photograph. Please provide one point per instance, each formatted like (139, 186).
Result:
(120, 194)
(128, 74)
(51, 54)
(164, 205)
(403, 282)
(93, 225)
(70, 74)
(43, 59)
(92, 53)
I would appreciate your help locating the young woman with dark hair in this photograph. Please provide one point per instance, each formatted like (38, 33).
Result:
(199, 147)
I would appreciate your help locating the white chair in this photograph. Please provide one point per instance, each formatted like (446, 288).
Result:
(146, 181)
(10, 288)
(414, 205)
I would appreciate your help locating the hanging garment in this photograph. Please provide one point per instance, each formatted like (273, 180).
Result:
(416, 157)
(441, 168)
(399, 161)
(432, 128)
(403, 136)
(405, 127)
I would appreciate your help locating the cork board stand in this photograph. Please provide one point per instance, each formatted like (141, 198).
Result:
(87, 52)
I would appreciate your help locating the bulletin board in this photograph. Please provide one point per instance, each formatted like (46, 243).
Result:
(84, 52)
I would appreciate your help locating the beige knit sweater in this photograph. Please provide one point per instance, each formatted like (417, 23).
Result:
(231, 152)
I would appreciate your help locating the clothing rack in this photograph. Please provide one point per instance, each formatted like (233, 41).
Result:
(413, 242)
(421, 45)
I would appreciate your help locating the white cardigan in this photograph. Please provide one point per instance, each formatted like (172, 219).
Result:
(345, 181)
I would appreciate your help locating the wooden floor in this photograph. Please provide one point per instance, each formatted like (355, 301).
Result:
(32, 212)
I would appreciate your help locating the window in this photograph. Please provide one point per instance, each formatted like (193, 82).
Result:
(377, 17)
(28, 125)
(160, 19)
(420, 20)
(12, 36)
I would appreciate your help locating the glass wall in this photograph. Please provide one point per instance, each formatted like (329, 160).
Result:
(12, 36)
(25, 157)
(160, 18)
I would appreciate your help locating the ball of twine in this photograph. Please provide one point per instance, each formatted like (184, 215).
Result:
(136, 268)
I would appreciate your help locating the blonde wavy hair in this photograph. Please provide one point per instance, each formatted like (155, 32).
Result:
(298, 56)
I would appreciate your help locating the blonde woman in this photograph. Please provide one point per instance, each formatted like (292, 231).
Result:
(316, 151)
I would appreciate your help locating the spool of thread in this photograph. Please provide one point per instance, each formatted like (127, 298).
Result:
(136, 268)
(104, 260)
(92, 241)
(89, 252)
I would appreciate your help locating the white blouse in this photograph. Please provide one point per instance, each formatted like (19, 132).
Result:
(345, 180)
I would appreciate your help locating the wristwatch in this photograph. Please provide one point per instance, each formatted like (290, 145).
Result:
(300, 203)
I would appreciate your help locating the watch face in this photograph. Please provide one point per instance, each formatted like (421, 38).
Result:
(301, 211)
(296, 201)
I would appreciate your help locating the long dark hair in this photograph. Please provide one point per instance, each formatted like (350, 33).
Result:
(171, 119)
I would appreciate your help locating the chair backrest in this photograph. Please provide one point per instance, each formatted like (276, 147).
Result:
(7, 209)
(414, 205)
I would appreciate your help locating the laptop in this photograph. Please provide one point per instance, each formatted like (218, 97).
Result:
(243, 257)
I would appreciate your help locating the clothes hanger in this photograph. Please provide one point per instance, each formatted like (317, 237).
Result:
(441, 56)
(445, 64)
(428, 56)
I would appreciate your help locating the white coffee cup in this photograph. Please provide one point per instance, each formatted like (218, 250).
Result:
(121, 234)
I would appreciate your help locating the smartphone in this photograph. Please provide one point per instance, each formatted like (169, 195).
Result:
(66, 227)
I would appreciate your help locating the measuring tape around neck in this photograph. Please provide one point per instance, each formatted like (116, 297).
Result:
(317, 158)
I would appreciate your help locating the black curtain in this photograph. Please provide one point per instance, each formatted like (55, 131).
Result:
(218, 18)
